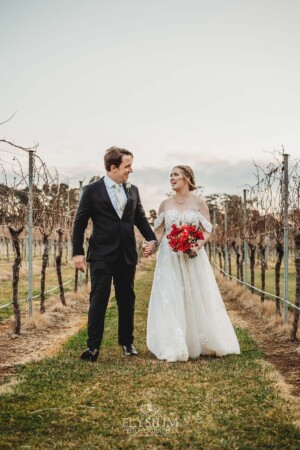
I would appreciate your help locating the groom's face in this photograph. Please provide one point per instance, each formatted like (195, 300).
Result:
(121, 174)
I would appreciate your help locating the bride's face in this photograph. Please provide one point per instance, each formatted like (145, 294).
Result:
(177, 179)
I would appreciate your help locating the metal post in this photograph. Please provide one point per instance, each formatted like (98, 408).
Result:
(214, 241)
(80, 274)
(286, 236)
(225, 245)
(245, 239)
(30, 225)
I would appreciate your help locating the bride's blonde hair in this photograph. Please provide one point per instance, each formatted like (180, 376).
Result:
(188, 174)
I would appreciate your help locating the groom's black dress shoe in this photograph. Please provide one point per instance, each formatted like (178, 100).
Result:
(129, 350)
(90, 355)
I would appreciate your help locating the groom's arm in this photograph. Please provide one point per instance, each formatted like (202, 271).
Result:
(81, 220)
(141, 221)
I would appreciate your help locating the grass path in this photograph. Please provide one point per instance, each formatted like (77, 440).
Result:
(142, 403)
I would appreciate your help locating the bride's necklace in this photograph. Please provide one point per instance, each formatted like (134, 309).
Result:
(180, 202)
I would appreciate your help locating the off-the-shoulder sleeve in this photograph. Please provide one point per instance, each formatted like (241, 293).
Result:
(159, 220)
(206, 224)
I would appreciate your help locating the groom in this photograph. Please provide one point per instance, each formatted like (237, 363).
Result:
(114, 206)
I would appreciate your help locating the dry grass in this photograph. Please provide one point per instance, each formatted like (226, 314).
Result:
(9, 387)
(270, 277)
(37, 321)
(284, 388)
(6, 276)
(55, 310)
(264, 311)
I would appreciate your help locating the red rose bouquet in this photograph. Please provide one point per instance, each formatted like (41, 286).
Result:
(181, 239)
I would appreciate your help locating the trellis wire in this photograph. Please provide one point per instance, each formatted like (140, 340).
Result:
(255, 288)
(37, 295)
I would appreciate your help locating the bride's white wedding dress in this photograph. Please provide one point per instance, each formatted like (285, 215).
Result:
(186, 316)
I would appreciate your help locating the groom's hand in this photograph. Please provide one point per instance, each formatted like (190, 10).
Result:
(79, 262)
(148, 248)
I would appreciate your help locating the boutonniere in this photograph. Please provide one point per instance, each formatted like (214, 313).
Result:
(128, 186)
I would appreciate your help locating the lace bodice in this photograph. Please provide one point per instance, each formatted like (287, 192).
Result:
(192, 217)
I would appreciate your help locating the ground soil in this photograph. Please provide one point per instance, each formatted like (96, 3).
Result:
(42, 336)
(276, 345)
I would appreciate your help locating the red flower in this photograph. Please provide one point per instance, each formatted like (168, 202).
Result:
(181, 238)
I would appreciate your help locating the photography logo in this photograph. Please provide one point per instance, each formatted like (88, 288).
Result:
(151, 420)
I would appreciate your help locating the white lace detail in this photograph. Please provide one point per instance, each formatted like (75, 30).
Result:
(159, 220)
(191, 216)
(178, 335)
(164, 298)
(206, 224)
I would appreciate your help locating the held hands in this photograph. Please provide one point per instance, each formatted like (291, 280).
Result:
(79, 262)
(148, 248)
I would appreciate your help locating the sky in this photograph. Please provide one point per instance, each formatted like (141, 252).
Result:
(213, 84)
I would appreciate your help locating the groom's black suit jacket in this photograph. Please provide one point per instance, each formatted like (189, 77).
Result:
(110, 233)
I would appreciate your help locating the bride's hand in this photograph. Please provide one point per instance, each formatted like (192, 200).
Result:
(197, 246)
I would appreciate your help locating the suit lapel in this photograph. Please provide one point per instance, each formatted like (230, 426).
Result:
(128, 195)
(127, 191)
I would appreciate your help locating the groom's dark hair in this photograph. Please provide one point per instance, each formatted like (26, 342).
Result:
(113, 157)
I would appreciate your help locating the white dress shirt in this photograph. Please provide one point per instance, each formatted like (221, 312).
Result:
(111, 190)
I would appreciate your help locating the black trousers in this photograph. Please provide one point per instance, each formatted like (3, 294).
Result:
(102, 275)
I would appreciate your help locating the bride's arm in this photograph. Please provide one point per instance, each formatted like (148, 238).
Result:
(159, 230)
(203, 209)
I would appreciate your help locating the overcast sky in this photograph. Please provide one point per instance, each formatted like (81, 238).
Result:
(213, 84)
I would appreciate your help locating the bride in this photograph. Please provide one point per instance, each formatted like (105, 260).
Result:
(187, 317)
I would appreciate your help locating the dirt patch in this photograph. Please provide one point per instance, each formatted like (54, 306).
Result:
(44, 334)
(271, 338)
